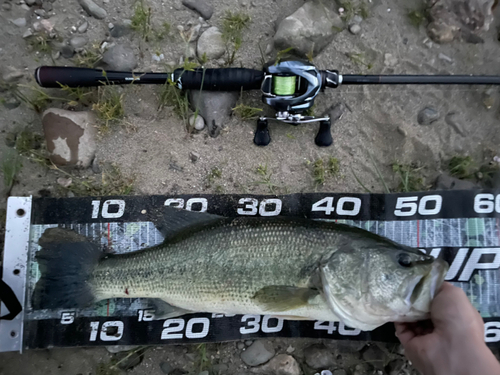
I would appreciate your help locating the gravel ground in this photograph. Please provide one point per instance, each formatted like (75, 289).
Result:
(379, 126)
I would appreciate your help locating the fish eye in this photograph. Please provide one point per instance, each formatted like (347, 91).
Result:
(404, 260)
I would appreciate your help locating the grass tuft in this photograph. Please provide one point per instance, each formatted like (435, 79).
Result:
(109, 107)
(141, 20)
(113, 182)
(10, 166)
(360, 59)
(462, 167)
(321, 169)
(89, 57)
(351, 10)
(233, 25)
(409, 176)
(417, 17)
(31, 146)
(214, 174)
(245, 112)
(265, 179)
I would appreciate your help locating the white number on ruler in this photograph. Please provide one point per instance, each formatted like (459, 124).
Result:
(325, 326)
(407, 206)
(330, 327)
(68, 317)
(146, 315)
(486, 203)
(326, 205)
(115, 327)
(179, 203)
(173, 326)
(492, 331)
(105, 209)
(253, 324)
(251, 204)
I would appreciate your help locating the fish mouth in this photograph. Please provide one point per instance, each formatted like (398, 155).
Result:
(423, 289)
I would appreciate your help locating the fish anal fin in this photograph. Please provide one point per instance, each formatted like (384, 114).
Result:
(164, 310)
(282, 298)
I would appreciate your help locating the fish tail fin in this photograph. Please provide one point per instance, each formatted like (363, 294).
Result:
(66, 262)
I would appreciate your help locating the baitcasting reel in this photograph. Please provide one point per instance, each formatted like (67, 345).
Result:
(290, 88)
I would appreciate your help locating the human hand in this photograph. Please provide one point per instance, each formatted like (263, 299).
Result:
(452, 341)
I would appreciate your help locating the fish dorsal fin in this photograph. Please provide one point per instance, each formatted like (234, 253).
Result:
(282, 298)
(173, 222)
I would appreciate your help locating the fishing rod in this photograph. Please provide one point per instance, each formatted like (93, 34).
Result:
(289, 87)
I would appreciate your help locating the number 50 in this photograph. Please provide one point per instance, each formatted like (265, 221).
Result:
(408, 206)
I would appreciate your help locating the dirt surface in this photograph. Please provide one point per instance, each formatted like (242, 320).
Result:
(380, 121)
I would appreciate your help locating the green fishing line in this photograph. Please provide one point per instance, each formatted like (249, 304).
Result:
(284, 85)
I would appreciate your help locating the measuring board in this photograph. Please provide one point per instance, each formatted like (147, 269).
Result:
(462, 227)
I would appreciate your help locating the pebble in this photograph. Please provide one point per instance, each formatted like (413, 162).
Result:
(64, 182)
(78, 42)
(488, 98)
(6, 6)
(120, 57)
(113, 349)
(11, 103)
(220, 368)
(70, 136)
(339, 372)
(375, 356)
(442, 56)
(93, 9)
(12, 75)
(453, 120)
(248, 342)
(357, 19)
(200, 6)
(127, 361)
(119, 30)
(258, 353)
(402, 131)
(40, 12)
(355, 29)
(165, 368)
(390, 60)
(269, 48)
(446, 182)
(204, 373)
(27, 33)
(395, 367)
(47, 6)
(427, 116)
(282, 364)
(30, 2)
(240, 345)
(197, 122)
(19, 22)
(67, 51)
(194, 156)
(318, 357)
(83, 27)
(95, 166)
(110, 26)
(211, 44)
(290, 349)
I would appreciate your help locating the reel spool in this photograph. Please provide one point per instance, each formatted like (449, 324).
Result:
(290, 88)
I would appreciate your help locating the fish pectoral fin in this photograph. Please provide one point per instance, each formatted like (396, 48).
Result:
(164, 310)
(283, 298)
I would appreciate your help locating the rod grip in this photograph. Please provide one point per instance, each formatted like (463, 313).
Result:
(225, 79)
(55, 76)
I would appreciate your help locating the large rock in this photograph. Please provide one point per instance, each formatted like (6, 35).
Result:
(119, 57)
(311, 27)
(447, 182)
(258, 353)
(318, 357)
(93, 9)
(200, 6)
(211, 44)
(215, 107)
(70, 136)
(282, 364)
(459, 20)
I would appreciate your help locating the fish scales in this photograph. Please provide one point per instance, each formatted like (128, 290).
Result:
(221, 267)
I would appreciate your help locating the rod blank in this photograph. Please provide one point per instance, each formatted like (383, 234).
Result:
(354, 79)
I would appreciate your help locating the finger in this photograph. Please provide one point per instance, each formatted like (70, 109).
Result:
(404, 333)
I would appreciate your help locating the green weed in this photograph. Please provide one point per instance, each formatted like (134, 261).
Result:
(266, 180)
(204, 362)
(321, 169)
(214, 174)
(310, 111)
(462, 167)
(245, 112)
(10, 166)
(284, 54)
(409, 176)
(113, 366)
(113, 182)
(109, 107)
(351, 10)
(360, 59)
(89, 57)
(40, 42)
(417, 17)
(141, 20)
(233, 25)
(171, 96)
(31, 146)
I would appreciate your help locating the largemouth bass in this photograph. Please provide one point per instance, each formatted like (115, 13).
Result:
(288, 267)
